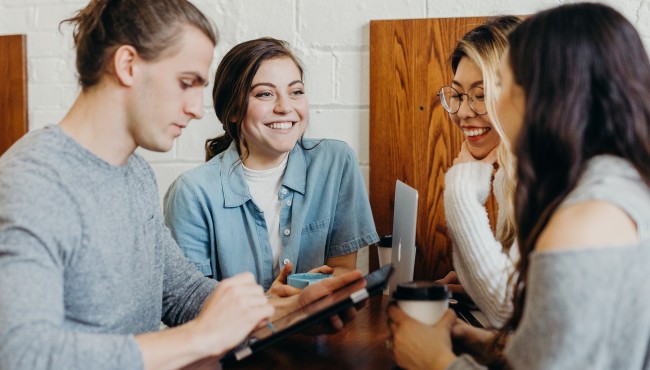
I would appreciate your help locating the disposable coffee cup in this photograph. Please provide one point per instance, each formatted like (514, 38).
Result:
(384, 249)
(424, 301)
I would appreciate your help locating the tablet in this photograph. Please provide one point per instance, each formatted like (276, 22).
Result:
(311, 314)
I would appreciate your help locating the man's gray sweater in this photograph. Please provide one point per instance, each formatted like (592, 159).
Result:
(85, 259)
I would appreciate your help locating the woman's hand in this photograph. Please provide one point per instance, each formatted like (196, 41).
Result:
(465, 156)
(452, 283)
(280, 289)
(419, 346)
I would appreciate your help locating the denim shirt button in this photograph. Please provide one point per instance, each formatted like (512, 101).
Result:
(289, 203)
(286, 260)
(287, 232)
(284, 191)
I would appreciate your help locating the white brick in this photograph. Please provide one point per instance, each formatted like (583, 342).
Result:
(350, 126)
(15, 20)
(319, 76)
(476, 8)
(365, 172)
(50, 43)
(50, 96)
(51, 70)
(157, 157)
(353, 78)
(643, 22)
(191, 145)
(239, 21)
(48, 17)
(42, 118)
(345, 23)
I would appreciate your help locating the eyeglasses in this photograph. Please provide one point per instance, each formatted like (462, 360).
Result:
(451, 99)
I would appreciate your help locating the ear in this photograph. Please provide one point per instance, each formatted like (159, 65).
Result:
(124, 60)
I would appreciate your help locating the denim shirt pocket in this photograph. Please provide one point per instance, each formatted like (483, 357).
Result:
(313, 244)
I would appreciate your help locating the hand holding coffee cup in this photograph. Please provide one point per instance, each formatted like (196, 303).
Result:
(424, 301)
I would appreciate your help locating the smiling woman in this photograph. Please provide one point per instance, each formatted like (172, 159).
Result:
(483, 260)
(267, 200)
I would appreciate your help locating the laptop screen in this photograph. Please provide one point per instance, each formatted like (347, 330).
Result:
(405, 217)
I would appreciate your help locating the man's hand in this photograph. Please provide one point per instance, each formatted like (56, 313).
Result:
(232, 311)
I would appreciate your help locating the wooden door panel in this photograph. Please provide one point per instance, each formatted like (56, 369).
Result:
(411, 136)
(13, 89)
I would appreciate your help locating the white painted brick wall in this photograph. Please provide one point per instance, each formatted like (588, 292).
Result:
(331, 37)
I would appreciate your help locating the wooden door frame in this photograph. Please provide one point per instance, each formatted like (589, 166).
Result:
(13, 90)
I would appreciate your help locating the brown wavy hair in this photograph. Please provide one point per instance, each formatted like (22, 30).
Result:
(152, 27)
(232, 86)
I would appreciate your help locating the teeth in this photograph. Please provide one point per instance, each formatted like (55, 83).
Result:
(476, 131)
(280, 125)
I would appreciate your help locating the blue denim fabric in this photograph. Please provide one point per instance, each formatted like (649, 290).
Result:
(325, 213)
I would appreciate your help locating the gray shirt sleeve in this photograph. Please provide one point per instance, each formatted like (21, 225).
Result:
(185, 289)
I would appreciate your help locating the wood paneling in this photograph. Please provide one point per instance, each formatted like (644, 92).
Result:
(13, 89)
(411, 136)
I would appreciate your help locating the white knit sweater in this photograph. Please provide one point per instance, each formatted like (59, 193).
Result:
(482, 266)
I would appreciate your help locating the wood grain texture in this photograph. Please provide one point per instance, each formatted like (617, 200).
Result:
(13, 89)
(412, 138)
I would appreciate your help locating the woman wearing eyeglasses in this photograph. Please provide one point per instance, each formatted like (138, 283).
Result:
(482, 261)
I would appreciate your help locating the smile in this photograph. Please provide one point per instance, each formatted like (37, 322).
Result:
(280, 125)
(476, 131)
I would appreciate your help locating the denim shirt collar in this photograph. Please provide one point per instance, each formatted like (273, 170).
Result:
(233, 182)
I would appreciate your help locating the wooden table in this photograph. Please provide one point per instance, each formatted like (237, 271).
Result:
(360, 345)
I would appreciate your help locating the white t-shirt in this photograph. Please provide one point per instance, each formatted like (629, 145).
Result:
(264, 186)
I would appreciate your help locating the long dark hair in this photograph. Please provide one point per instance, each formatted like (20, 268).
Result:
(586, 79)
(232, 86)
(152, 27)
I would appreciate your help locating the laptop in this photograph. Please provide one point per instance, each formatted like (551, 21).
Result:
(405, 217)
(311, 314)
(403, 252)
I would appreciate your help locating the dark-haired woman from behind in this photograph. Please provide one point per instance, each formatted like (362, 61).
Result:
(575, 86)
(268, 200)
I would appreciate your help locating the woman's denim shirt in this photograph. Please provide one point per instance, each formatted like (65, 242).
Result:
(325, 213)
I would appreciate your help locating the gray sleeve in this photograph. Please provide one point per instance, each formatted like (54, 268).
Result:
(185, 289)
(33, 334)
